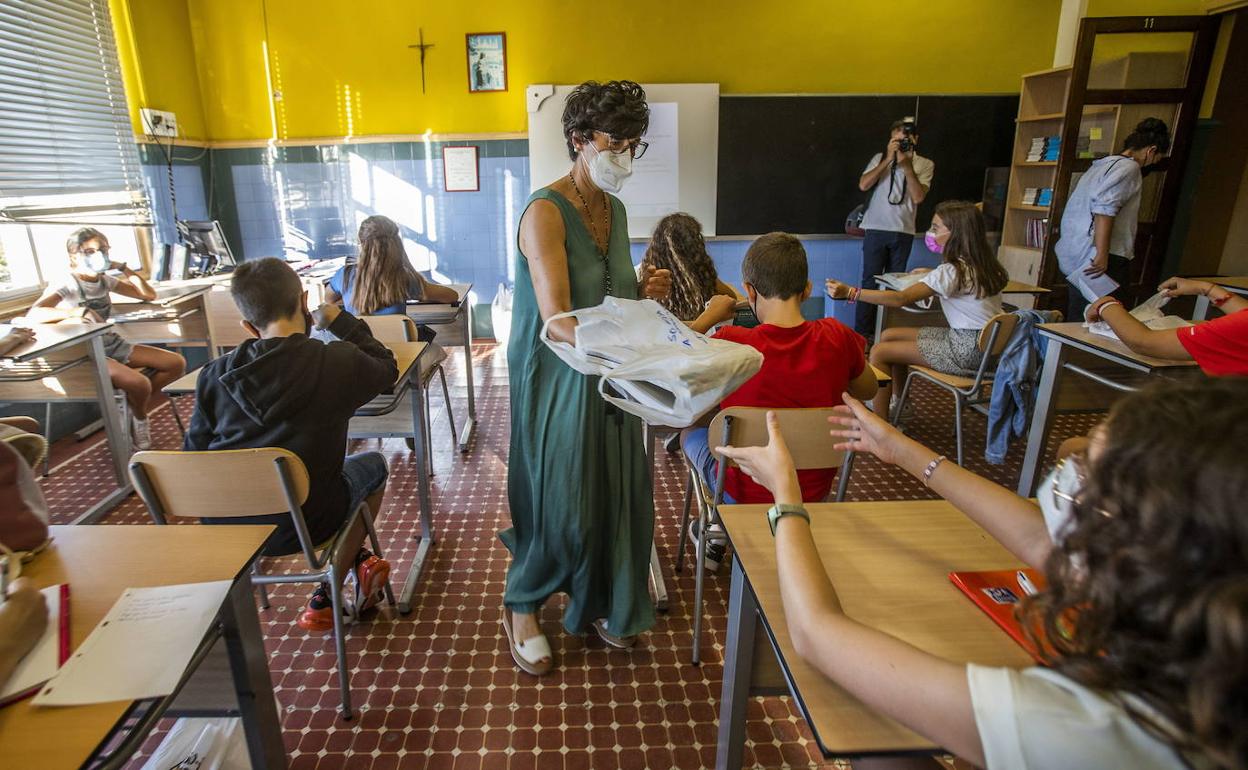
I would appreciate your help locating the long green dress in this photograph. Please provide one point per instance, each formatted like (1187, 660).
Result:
(582, 507)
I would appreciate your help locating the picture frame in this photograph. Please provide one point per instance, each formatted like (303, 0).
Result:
(461, 168)
(487, 62)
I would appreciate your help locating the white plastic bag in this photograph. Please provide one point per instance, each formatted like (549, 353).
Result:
(202, 744)
(651, 364)
(1148, 313)
(500, 315)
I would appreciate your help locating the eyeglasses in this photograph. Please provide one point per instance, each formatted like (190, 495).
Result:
(635, 147)
(1078, 462)
(93, 252)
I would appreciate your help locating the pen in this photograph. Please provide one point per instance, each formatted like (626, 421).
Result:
(1025, 583)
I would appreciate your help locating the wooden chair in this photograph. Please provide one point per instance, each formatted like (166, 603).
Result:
(400, 328)
(249, 482)
(807, 434)
(967, 391)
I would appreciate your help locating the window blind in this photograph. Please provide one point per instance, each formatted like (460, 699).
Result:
(67, 150)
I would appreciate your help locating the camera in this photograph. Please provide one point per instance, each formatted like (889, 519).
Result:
(906, 143)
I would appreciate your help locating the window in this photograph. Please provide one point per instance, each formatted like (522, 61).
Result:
(67, 150)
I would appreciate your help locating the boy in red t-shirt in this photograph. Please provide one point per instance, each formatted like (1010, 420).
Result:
(805, 363)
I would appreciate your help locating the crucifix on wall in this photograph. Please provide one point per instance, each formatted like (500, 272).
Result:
(423, 46)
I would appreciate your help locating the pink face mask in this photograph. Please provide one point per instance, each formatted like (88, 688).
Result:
(932, 244)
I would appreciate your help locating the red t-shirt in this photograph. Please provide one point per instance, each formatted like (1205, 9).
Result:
(1219, 346)
(803, 366)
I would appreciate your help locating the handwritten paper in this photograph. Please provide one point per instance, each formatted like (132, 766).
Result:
(141, 647)
(459, 169)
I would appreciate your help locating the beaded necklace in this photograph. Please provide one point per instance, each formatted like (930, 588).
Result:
(593, 232)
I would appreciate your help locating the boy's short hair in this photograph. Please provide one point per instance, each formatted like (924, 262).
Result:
(266, 290)
(775, 265)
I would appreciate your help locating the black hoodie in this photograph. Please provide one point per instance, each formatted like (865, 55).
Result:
(299, 394)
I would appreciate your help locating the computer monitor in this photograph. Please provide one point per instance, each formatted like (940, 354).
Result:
(209, 252)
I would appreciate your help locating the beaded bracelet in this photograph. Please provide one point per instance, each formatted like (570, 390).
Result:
(931, 468)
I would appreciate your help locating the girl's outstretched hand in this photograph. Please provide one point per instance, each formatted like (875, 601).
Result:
(865, 431)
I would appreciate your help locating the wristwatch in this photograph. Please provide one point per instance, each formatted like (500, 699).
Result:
(780, 510)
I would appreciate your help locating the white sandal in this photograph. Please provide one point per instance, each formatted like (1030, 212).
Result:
(529, 653)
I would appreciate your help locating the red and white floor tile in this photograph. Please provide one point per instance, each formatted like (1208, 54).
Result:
(437, 688)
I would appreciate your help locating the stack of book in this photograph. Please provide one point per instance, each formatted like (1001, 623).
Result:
(1036, 231)
(1037, 196)
(1044, 148)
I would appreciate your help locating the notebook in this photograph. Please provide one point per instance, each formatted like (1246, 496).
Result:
(998, 594)
(49, 653)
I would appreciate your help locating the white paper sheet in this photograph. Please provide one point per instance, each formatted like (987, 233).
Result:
(1091, 288)
(141, 647)
(40, 664)
(654, 188)
(900, 281)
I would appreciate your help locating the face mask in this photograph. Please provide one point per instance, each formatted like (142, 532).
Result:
(97, 262)
(932, 244)
(608, 169)
(1057, 508)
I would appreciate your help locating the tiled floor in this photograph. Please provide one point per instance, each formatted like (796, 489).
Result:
(437, 689)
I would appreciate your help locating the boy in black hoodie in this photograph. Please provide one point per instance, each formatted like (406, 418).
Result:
(283, 389)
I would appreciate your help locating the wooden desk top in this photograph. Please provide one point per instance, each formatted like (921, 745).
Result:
(99, 563)
(49, 337)
(890, 563)
(1018, 287)
(1232, 282)
(406, 354)
(1076, 332)
(166, 294)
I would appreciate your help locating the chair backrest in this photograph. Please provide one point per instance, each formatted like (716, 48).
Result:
(993, 343)
(221, 484)
(805, 431)
(391, 328)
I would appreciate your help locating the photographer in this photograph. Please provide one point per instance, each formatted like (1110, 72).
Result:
(900, 178)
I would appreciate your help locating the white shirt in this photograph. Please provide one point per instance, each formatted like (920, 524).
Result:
(1111, 187)
(963, 310)
(75, 292)
(1037, 719)
(895, 217)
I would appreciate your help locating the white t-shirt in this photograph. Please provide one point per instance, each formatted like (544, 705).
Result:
(73, 292)
(895, 217)
(1037, 719)
(963, 310)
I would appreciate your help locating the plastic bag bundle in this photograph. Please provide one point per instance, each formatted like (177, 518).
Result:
(650, 363)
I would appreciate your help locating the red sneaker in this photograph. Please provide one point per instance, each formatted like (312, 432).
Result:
(319, 614)
(371, 574)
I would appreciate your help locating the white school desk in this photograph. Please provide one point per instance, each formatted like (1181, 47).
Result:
(184, 322)
(460, 314)
(1107, 367)
(228, 675)
(890, 564)
(383, 418)
(66, 362)
(909, 316)
(1234, 284)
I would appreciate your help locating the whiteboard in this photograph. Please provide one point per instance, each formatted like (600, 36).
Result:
(679, 172)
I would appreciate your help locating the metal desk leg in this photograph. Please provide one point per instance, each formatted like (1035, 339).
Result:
(1042, 417)
(657, 584)
(465, 435)
(252, 684)
(738, 670)
(1202, 308)
(116, 435)
(426, 499)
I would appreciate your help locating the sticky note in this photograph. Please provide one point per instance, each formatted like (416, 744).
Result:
(1095, 133)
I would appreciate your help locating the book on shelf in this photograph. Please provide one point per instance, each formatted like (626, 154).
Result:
(1037, 229)
(1029, 195)
(1045, 197)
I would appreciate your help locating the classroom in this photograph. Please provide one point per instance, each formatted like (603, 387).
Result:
(541, 386)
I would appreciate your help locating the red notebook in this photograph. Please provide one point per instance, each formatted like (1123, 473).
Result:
(49, 654)
(999, 593)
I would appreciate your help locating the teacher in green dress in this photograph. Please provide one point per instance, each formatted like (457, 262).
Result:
(582, 507)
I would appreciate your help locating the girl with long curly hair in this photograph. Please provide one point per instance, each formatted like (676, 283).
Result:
(1144, 544)
(677, 245)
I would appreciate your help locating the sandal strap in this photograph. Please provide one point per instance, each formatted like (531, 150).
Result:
(534, 649)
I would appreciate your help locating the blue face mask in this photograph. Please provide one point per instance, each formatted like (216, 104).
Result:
(97, 261)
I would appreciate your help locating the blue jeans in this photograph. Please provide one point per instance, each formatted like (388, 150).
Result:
(702, 459)
(364, 474)
(883, 251)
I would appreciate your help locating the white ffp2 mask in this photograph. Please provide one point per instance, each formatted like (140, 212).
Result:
(608, 170)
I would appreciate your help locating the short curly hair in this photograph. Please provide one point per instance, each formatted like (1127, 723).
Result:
(617, 107)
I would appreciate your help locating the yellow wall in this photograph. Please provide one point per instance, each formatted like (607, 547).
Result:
(1145, 8)
(158, 61)
(345, 68)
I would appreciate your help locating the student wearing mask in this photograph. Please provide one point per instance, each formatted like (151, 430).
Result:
(1145, 551)
(1098, 224)
(898, 179)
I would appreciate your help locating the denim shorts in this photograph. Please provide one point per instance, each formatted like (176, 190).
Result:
(364, 474)
(702, 459)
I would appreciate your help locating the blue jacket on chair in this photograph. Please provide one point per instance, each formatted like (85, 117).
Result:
(1014, 385)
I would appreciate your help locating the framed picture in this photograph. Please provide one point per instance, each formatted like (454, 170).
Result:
(460, 170)
(487, 62)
